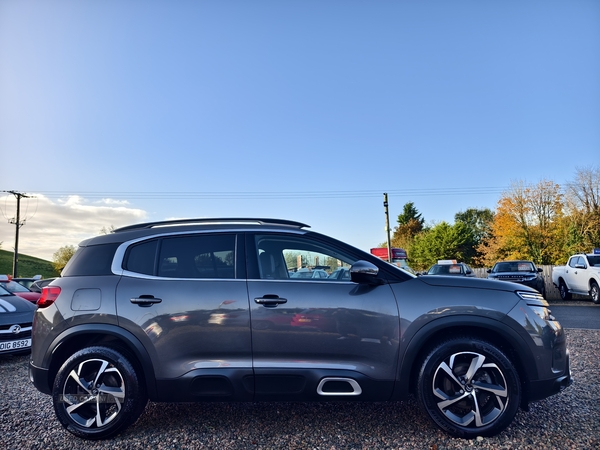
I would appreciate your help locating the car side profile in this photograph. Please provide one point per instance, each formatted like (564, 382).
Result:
(206, 310)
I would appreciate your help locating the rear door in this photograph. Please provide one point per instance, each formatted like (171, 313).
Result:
(185, 298)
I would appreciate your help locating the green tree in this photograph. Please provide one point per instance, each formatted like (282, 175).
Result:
(443, 241)
(410, 224)
(479, 221)
(62, 256)
(409, 214)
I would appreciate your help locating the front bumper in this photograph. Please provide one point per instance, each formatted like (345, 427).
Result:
(541, 389)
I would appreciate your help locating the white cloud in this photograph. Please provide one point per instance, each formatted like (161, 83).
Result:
(50, 225)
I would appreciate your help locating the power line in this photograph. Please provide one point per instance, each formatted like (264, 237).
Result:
(189, 195)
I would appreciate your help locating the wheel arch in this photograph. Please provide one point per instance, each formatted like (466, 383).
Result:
(492, 331)
(86, 335)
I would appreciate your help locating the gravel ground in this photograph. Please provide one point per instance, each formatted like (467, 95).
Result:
(569, 420)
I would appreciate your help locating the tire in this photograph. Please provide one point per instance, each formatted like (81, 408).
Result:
(97, 393)
(564, 292)
(595, 292)
(469, 405)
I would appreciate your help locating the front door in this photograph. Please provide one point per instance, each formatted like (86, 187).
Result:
(310, 322)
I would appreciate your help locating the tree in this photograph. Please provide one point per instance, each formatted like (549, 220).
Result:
(105, 230)
(62, 256)
(479, 221)
(410, 213)
(582, 203)
(443, 241)
(527, 225)
(410, 224)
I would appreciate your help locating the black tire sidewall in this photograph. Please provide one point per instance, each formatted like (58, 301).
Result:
(135, 393)
(428, 400)
(597, 299)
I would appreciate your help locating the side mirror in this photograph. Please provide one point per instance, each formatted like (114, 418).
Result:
(364, 272)
(540, 270)
(489, 271)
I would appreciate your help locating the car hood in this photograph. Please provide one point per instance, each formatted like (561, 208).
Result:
(470, 282)
(14, 304)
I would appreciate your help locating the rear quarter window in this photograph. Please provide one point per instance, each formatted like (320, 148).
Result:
(92, 260)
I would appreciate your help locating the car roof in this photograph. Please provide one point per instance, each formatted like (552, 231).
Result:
(194, 225)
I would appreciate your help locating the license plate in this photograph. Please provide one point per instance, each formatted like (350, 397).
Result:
(15, 345)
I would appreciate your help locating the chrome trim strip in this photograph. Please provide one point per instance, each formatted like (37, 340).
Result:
(353, 383)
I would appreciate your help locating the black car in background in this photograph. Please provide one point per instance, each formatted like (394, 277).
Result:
(16, 317)
(522, 272)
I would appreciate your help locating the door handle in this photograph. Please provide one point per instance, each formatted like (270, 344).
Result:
(270, 300)
(145, 300)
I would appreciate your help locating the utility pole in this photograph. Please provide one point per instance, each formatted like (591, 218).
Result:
(387, 226)
(18, 224)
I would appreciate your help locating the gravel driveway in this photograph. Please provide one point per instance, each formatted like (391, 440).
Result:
(569, 420)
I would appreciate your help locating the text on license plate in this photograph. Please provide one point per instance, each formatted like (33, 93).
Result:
(15, 345)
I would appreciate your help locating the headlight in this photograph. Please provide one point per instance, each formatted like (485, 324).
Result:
(536, 302)
(532, 296)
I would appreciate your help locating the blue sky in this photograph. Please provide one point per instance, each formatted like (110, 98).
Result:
(126, 111)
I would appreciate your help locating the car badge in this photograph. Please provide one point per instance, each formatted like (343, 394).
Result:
(15, 329)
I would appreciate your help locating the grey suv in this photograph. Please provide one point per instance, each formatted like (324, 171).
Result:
(206, 310)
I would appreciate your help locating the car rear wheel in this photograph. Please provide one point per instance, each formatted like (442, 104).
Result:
(469, 388)
(595, 292)
(564, 292)
(97, 393)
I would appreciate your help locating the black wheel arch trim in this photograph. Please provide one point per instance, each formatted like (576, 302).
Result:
(131, 343)
(413, 351)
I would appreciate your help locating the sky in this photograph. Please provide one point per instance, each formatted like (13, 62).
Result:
(116, 112)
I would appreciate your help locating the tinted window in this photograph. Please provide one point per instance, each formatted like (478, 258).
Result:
(140, 258)
(206, 256)
(93, 260)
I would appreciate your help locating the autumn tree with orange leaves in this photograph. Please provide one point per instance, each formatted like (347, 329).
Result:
(527, 225)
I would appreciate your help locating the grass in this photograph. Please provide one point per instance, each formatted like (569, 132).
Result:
(28, 265)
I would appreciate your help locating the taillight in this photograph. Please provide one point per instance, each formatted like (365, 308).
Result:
(49, 294)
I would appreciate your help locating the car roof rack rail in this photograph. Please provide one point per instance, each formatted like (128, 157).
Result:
(167, 223)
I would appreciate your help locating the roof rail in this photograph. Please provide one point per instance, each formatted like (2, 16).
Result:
(166, 223)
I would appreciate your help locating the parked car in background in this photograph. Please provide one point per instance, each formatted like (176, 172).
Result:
(38, 285)
(522, 272)
(27, 282)
(450, 267)
(309, 273)
(146, 312)
(18, 289)
(580, 276)
(16, 318)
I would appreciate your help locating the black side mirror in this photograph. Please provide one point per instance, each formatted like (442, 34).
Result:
(364, 272)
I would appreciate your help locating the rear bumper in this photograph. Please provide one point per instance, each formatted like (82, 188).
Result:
(39, 378)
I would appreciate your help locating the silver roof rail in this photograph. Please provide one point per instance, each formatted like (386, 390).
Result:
(166, 223)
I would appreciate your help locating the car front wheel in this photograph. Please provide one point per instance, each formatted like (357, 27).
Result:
(97, 393)
(469, 388)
